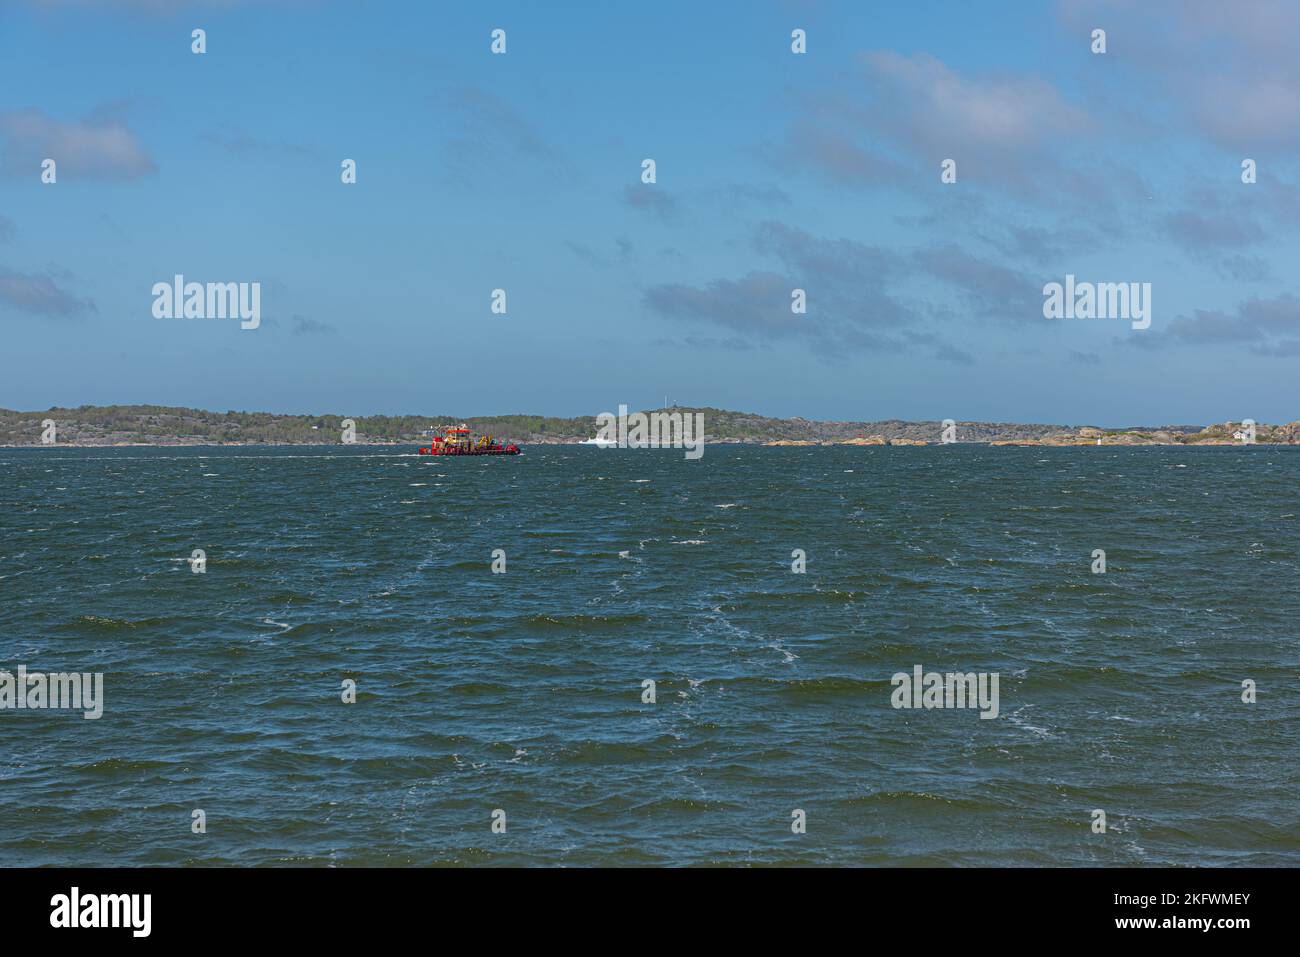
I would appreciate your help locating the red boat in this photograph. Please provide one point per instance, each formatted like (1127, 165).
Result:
(461, 442)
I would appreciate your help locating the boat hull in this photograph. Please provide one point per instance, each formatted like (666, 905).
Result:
(508, 450)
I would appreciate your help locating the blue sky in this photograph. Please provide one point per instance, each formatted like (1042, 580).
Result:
(775, 171)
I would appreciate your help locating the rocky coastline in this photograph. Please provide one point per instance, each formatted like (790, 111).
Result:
(171, 426)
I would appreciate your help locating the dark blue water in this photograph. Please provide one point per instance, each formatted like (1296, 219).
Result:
(522, 691)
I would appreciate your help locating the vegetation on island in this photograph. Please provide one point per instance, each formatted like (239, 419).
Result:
(166, 425)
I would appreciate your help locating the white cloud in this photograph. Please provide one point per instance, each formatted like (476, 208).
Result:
(94, 148)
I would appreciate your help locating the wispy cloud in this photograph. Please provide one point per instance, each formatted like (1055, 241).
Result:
(1265, 326)
(764, 194)
(623, 251)
(758, 303)
(487, 132)
(98, 147)
(844, 314)
(650, 199)
(307, 326)
(992, 290)
(932, 108)
(891, 124)
(40, 295)
(1227, 225)
(150, 6)
(1230, 69)
(235, 139)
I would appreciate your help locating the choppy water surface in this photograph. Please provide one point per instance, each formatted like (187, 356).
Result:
(522, 691)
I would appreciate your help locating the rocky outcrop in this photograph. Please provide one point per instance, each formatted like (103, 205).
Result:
(865, 440)
(1229, 433)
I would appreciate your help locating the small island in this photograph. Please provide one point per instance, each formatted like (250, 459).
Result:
(150, 425)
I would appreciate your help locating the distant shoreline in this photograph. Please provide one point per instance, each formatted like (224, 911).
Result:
(148, 426)
(1009, 443)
